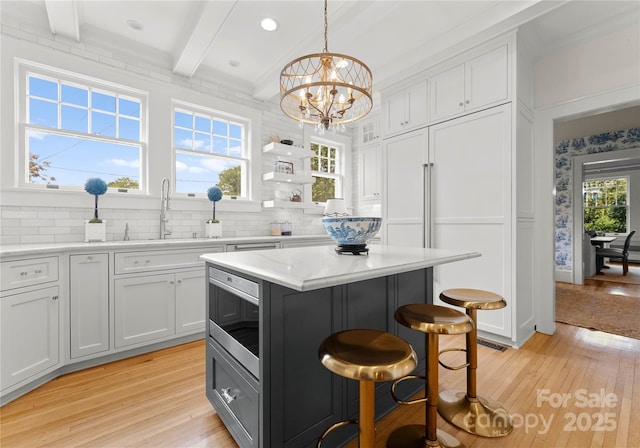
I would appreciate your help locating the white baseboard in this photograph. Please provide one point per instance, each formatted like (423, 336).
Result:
(564, 276)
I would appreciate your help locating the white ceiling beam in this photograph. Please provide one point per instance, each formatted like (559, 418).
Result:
(63, 18)
(209, 24)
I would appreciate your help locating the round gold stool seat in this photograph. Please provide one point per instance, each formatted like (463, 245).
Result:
(465, 409)
(367, 356)
(433, 320)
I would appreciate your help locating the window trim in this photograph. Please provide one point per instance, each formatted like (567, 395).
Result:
(23, 69)
(627, 206)
(343, 143)
(247, 160)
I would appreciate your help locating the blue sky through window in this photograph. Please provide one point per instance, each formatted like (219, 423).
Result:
(68, 117)
(205, 147)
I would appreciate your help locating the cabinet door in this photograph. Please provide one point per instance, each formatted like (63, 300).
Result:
(487, 79)
(370, 170)
(394, 113)
(144, 308)
(471, 198)
(190, 301)
(447, 93)
(403, 208)
(369, 130)
(416, 105)
(89, 303)
(29, 334)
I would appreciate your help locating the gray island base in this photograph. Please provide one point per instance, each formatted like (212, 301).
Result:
(268, 313)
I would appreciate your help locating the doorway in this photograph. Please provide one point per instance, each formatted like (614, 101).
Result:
(625, 162)
(546, 118)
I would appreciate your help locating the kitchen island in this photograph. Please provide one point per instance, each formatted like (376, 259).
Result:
(268, 313)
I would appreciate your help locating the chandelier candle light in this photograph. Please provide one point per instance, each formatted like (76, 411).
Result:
(326, 89)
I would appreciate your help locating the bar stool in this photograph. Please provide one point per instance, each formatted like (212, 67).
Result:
(433, 320)
(466, 410)
(367, 356)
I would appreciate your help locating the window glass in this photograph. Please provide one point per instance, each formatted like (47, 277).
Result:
(65, 160)
(207, 154)
(75, 131)
(43, 88)
(606, 205)
(325, 167)
(75, 95)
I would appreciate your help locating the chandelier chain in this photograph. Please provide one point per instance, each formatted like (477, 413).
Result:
(326, 40)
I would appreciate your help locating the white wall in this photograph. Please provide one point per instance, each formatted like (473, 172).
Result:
(596, 63)
(49, 216)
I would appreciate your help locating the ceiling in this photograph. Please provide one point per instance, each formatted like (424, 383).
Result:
(222, 39)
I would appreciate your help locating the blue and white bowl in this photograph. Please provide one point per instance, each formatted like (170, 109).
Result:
(351, 230)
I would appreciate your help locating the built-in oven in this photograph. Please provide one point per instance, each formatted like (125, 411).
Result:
(234, 303)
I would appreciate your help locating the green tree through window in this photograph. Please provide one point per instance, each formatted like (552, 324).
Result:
(606, 205)
(325, 167)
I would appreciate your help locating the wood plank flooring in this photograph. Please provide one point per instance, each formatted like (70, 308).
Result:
(158, 399)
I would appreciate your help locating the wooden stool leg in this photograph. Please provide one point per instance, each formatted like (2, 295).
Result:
(432, 387)
(367, 414)
(472, 354)
(427, 436)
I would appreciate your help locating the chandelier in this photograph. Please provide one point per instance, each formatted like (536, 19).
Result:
(326, 89)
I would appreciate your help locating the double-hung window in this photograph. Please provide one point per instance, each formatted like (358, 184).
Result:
(328, 168)
(76, 128)
(606, 204)
(210, 149)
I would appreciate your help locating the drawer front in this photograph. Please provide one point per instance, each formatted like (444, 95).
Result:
(129, 262)
(35, 271)
(234, 395)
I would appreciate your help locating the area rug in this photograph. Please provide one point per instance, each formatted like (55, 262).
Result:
(599, 311)
(614, 274)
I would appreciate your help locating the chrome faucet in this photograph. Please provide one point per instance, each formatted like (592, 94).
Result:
(164, 206)
(126, 232)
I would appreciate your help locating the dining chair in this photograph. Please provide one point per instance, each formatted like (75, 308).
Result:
(616, 253)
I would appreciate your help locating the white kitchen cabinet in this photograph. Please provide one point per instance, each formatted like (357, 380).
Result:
(190, 299)
(29, 334)
(402, 203)
(469, 198)
(370, 174)
(28, 272)
(89, 304)
(144, 308)
(369, 131)
(478, 83)
(405, 109)
(154, 307)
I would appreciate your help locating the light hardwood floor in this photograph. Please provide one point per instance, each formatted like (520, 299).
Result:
(158, 399)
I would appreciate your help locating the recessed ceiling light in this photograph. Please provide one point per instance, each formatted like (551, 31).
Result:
(269, 24)
(135, 24)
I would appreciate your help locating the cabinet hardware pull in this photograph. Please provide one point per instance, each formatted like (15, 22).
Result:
(460, 104)
(227, 396)
(179, 282)
(54, 298)
(89, 258)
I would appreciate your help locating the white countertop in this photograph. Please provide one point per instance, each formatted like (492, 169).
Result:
(308, 268)
(10, 250)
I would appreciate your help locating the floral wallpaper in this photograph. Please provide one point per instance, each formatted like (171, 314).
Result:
(565, 151)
